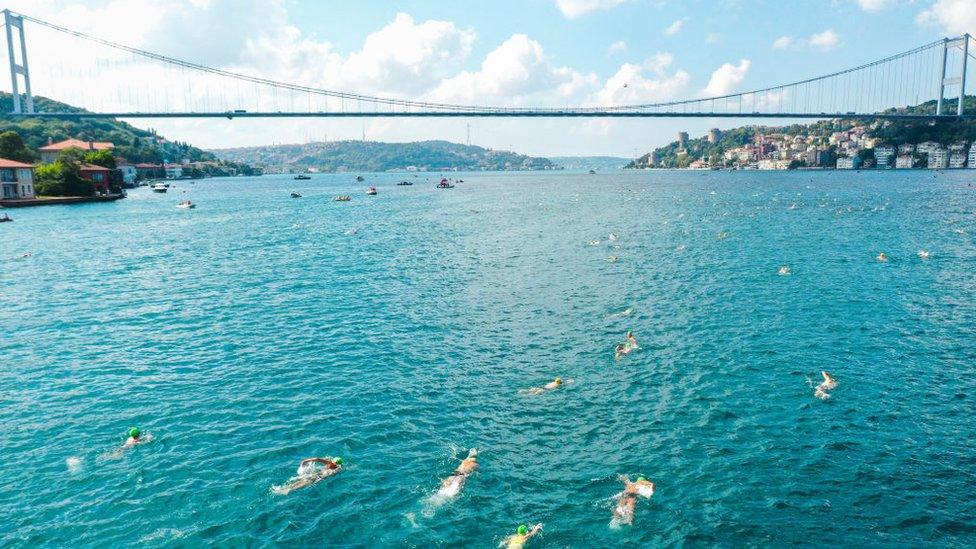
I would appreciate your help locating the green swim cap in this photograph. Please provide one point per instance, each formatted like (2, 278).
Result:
(641, 479)
(134, 432)
(522, 530)
(337, 461)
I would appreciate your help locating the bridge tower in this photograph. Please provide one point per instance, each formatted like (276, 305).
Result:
(959, 80)
(11, 22)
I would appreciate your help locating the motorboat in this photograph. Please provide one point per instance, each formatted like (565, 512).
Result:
(5, 218)
(342, 198)
(405, 183)
(186, 205)
(445, 184)
(371, 191)
(303, 177)
(159, 187)
(296, 195)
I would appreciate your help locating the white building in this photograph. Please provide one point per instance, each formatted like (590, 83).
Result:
(938, 159)
(957, 160)
(173, 171)
(884, 155)
(17, 179)
(128, 175)
(972, 156)
(905, 162)
(845, 163)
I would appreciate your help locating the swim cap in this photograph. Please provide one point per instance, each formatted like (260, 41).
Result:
(559, 381)
(337, 461)
(522, 530)
(641, 479)
(134, 432)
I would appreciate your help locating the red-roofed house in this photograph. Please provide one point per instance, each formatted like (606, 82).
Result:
(50, 152)
(97, 175)
(17, 179)
(145, 170)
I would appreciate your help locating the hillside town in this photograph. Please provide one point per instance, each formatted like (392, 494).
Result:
(854, 148)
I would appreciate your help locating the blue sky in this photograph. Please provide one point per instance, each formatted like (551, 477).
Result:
(548, 52)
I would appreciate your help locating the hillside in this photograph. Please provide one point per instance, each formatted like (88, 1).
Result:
(375, 156)
(891, 132)
(131, 143)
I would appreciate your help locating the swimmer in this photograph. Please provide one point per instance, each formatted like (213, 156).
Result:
(624, 349)
(451, 486)
(829, 383)
(554, 384)
(924, 254)
(136, 437)
(612, 237)
(518, 539)
(785, 271)
(623, 513)
(722, 235)
(308, 473)
(882, 257)
(612, 259)
(594, 243)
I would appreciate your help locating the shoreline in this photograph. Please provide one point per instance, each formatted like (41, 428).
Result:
(56, 200)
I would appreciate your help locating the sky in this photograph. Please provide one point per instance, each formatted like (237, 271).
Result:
(503, 52)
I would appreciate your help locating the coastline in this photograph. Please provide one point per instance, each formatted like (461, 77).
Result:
(56, 200)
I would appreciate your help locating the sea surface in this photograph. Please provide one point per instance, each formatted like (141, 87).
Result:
(396, 331)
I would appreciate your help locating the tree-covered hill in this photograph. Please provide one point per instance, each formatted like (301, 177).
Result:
(378, 157)
(133, 144)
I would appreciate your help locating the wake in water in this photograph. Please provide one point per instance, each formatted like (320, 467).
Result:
(74, 464)
(623, 511)
(626, 312)
(310, 471)
(451, 486)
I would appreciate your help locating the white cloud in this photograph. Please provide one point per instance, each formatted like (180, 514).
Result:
(617, 47)
(511, 74)
(675, 27)
(783, 42)
(726, 79)
(825, 41)
(872, 5)
(576, 8)
(649, 82)
(953, 16)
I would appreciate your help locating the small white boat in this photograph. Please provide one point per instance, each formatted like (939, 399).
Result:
(159, 188)
(371, 191)
(186, 205)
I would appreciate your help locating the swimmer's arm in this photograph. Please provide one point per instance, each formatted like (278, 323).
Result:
(535, 530)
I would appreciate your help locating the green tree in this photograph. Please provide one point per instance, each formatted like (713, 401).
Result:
(104, 159)
(12, 147)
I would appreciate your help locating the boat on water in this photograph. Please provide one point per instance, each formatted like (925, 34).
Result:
(592, 172)
(296, 195)
(405, 183)
(186, 205)
(302, 177)
(445, 184)
(5, 218)
(342, 198)
(360, 178)
(159, 187)
(371, 191)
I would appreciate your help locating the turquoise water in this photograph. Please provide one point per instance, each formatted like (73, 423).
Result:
(256, 331)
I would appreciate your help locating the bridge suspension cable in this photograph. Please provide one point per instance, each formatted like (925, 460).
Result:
(157, 85)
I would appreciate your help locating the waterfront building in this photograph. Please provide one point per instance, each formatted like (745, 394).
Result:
(129, 174)
(17, 179)
(928, 147)
(50, 152)
(173, 171)
(98, 176)
(714, 135)
(972, 156)
(906, 148)
(938, 159)
(905, 162)
(957, 160)
(145, 170)
(848, 163)
(884, 156)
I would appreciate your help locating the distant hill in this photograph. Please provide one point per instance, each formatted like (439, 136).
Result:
(131, 143)
(590, 162)
(375, 156)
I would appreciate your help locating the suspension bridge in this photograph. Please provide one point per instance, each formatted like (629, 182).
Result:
(106, 79)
